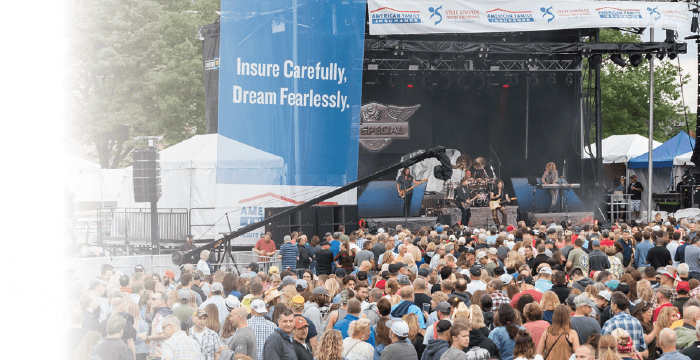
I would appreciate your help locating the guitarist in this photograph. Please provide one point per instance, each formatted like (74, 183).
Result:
(499, 194)
(406, 182)
(462, 196)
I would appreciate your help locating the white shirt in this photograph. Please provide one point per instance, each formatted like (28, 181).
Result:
(202, 265)
(476, 285)
(672, 246)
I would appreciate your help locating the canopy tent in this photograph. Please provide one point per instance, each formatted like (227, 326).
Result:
(622, 148)
(663, 155)
(90, 186)
(76, 165)
(683, 159)
(189, 175)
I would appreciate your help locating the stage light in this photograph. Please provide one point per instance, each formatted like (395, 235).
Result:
(672, 56)
(506, 86)
(483, 50)
(648, 57)
(569, 80)
(459, 62)
(670, 36)
(531, 63)
(398, 49)
(618, 60)
(660, 55)
(635, 59)
(694, 23)
(552, 80)
(533, 81)
(513, 80)
(594, 61)
(411, 82)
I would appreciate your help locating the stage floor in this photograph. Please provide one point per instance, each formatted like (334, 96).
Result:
(481, 218)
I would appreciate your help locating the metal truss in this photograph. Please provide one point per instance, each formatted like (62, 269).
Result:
(473, 65)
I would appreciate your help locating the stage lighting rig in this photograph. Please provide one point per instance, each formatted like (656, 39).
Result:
(648, 57)
(595, 60)
(435, 60)
(459, 61)
(552, 80)
(635, 59)
(618, 60)
(672, 56)
(660, 55)
(533, 81)
(569, 80)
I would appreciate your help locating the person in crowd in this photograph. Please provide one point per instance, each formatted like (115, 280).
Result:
(156, 337)
(278, 345)
(302, 349)
(261, 326)
(581, 322)
(87, 343)
(560, 341)
(203, 264)
(407, 306)
(217, 298)
(439, 344)
(331, 346)
(693, 351)
(667, 343)
(313, 308)
(113, 347)
(243, 341)
(178, 345)
(621, 319)
(504, 335)
(534, 324)
(416, 335)
(525, 348)
(356, 346)
(400, 348)
(354, 310)
(685, 334)
(265, 246)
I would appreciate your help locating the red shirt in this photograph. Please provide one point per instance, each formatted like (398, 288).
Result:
(266, 246)
(658, 310)
(534, 292)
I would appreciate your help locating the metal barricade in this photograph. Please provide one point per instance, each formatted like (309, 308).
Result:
(243, 258)
(134, 225)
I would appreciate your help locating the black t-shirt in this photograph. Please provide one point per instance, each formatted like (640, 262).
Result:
(658, 257)
(420, 299)
(636, 194)
(324, 261)
(113, 349)
(405, 183)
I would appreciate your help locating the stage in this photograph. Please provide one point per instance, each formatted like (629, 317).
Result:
(481, 218)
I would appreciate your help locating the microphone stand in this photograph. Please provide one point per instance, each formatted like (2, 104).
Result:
(497, 159)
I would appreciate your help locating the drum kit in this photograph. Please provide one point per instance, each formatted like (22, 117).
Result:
(480, 184)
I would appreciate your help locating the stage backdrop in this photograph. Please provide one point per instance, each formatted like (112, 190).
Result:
(290, 86)
(470, 16)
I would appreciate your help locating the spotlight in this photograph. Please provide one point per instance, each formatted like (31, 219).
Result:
(569, 80)
(595, 60)
(672, 56)
(660, 55)
(398, 49)
(531, 63)
(618, 60)
(635, 59)
(648, 57)
(552, 80)
(483, 50)
(533, 81)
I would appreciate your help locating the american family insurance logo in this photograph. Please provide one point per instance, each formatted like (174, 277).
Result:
(506, 16)
(387, 15)
(462, 16)
(615, 13)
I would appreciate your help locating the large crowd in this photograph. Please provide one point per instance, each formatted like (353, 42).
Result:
(549, 291)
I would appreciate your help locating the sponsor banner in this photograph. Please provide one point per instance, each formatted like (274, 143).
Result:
(245, 205)
(290, 84)
(392, 17)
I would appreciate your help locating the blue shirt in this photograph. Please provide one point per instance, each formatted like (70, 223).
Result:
(343, 325)
(289, 253)
(640, 257)
(415, 310)
(692, 258)
(505, 344)
(335, 247)
(543, 285)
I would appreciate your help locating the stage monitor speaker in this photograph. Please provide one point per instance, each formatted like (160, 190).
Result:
(445, 219)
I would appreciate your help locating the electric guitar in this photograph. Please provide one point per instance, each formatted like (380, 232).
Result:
(464, 205)
(402, 193)
(496, 203)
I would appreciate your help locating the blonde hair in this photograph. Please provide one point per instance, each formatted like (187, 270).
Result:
(288, 292)
(395, 299)
(607, 348)
(551, 166)
(549, 301)
(330, 347)
(431, 247)
(413, 326)
(439, 296)
(87, 343)
(477, 317)
(360, 327)
(409, 260)
(666, 317)
(415, 251)
(332, 287)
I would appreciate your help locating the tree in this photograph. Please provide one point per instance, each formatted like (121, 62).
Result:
(625, 94)
(135, 63)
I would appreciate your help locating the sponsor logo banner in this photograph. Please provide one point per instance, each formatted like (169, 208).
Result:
(389, 17)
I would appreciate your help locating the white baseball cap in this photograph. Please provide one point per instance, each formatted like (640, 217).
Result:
(400, 328)
(259, 306)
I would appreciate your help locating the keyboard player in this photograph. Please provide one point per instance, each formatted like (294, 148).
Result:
(551, 176)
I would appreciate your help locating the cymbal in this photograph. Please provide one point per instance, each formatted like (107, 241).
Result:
(464, 162)
(479, 163)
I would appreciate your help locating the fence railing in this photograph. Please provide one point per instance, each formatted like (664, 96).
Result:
(241, 260)
(134, 225)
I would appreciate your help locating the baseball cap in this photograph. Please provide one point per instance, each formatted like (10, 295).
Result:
(170, 274)
(596, 243)
(683, 286)
(232, 302)
(577, 229)
(273, 270)
(583, 300)
(493, 251)
(259, 306)
(506, 279)
(424, 272)
(344, 238)
(452, 238)
(217, 287)
(403, 280)
(605, 294)
(623, 288)
(443, 325)
(302, 283)
(546, 270)
(394, 268)
(253, 266)
(298, 301)
(183, 295)
(300, 322)
(288, 280)
(465, 272)
(319, 290)
(328, 234)
(443, 307)
(672, 276)
(381, 284)
(400, 328)
(510, 228)
(199, 313)
(612, 284)
(480, 255)
(325, 243)
(551, 230)
(139, 268)
(461, 240)
(528, 280)
(471, 251)
(475, 270)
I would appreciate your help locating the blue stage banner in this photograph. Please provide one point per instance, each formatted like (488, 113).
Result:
(290, 85)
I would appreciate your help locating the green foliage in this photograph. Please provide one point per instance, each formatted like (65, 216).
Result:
(136, 63)
(625, 94)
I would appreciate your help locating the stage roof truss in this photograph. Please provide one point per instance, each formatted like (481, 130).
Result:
(469, 65)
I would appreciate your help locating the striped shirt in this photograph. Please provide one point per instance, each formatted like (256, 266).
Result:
(289, 253)
(262, 328)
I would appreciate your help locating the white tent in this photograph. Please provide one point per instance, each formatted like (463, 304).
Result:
(683, 160)
(189, 173)
(89, 185)
(622, 148)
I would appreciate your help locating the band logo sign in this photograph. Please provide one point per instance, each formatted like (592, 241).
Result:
(387, 15)
(506, 16)
(615, 13)
(462, 16)
(380, 123)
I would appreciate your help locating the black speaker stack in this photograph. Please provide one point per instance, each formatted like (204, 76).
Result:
(146, 175)
(316, 220)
